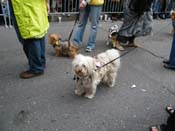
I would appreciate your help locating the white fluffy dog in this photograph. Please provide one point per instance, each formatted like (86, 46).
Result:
(88, 74)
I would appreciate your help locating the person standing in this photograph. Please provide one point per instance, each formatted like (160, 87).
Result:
(156, 8)
(169, 126)
(30, 19)
(170, 64)
(88, 9)
(137, 22)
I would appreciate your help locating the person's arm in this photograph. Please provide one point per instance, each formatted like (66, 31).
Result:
(47, 6)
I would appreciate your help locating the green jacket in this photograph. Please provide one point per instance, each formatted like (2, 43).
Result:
(31, 17)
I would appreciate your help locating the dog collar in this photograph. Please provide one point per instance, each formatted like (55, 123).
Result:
(57, 43)
(77, 78)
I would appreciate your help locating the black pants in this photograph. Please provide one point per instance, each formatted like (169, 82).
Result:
(170, 123)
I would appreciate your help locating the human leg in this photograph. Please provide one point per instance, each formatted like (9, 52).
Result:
(79, 33)
(43, 58)
(36, 57)
(155, 9)
(172, 53)
(171, 64)
(94, 16)
(170, 122)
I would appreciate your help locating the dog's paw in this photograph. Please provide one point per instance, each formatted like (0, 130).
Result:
(89, 96)
(107, 43)
(111, 85)
(78, 93)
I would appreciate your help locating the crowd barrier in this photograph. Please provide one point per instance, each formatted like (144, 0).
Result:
(64, 8)
(72, 6)
(61, 8)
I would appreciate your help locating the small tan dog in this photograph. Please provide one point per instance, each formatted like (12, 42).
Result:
(62, 48)
(172, 13)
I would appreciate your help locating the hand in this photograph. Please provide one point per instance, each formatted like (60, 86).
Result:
(47, 7)
(82, 5)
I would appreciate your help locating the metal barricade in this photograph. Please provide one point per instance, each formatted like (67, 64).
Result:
(61, 8)
(113, 6)
(72, 6)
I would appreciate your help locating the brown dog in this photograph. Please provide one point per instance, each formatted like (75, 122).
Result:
(62, 48)
(172, 13)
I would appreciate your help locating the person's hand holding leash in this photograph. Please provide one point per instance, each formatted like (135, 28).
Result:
(83, 4)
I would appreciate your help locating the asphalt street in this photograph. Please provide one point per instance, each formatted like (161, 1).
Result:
(47, 103)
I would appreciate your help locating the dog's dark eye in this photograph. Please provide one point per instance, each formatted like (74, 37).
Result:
(84, 66)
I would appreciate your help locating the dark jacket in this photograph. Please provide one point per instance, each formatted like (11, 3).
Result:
(140, 6)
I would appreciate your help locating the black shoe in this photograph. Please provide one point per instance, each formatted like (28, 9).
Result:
(167, 66)
(166, 62)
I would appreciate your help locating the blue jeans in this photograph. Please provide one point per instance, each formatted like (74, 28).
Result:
(94, 13)
(156, 7)
(172, 54)
(34, 49)
(173, 24)
(35, 52)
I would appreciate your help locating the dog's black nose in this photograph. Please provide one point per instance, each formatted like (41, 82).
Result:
(74, 78)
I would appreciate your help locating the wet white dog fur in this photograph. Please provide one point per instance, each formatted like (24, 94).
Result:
(87, 74)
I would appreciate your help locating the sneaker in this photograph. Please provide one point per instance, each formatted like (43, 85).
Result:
(88, 49)
(29, 74)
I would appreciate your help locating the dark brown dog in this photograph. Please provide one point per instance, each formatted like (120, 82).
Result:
(62, 48)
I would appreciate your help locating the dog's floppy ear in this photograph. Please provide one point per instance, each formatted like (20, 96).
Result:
(49, 38)
(90, 64)
(59, 36)
(54, 36)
